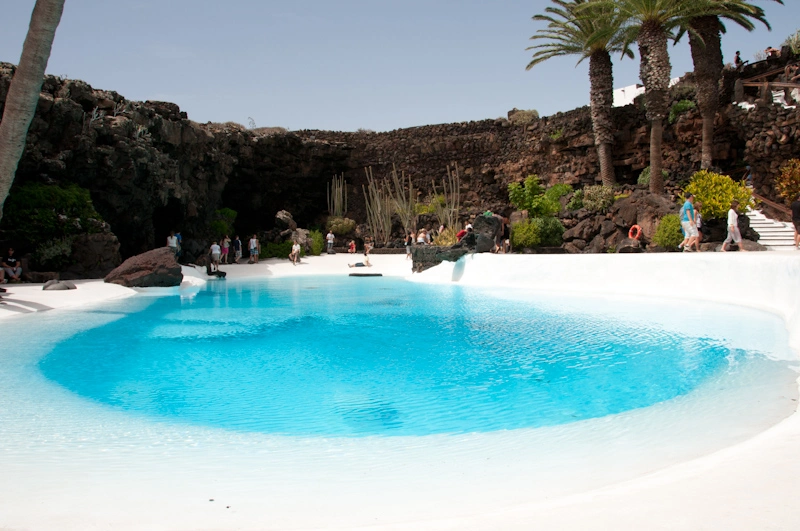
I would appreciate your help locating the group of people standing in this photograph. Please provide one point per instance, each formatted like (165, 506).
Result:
(221, 251)
(692, 226)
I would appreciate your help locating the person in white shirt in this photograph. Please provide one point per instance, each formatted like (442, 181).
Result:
(172, 242)
(330, 237)
(733, 228)
(215, 252)
(294, 256)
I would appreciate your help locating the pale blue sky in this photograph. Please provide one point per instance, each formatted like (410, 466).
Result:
(328, 64)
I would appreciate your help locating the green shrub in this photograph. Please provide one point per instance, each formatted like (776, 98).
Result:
(576, 202)
(556, 135)
(430, 205)
(557, 191)
(39, 214)
(598, 198)
(446, 237)
(523, 117)
(525, 234)
(668, 233)
(54, 254)
(716, 192)
(680, 107)
(533, 197)
(644, 177)
(550, 231)
(793, 42)
(317, 242)
(278, 250)
(222, 223)
(341, 226)
(787, 183)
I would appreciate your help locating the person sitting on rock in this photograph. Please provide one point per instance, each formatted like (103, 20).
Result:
(11, 267)
(294, 256)
(172, 242)
(772, 52)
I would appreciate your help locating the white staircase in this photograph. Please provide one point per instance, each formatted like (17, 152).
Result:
(774, 235)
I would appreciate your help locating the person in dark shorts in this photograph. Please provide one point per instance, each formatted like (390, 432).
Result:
(237, 249)
(796, 221)
(11, 267)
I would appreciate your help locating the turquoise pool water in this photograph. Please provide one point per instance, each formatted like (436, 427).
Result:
(328, 356)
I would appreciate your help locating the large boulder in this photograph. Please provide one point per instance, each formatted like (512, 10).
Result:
(301, 236)
(427, 256)
(630, 245)
(284, 221)
(644, 209)
(487, 229)
(156, 268)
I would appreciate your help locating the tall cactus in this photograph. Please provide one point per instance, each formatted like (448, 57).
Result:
(379, 207)
(337, 196)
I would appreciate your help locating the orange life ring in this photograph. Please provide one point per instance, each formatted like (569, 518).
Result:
(635, 233)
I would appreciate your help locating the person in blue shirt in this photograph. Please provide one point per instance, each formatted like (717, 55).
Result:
(688, 224)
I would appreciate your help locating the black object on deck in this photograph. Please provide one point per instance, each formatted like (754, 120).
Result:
(366, 274)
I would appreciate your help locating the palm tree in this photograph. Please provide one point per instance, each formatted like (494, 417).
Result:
(650, 23)
(705, 44)
(23, 94)
(593, 34)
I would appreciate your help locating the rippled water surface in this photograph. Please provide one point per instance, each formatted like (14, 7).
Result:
(378, 356)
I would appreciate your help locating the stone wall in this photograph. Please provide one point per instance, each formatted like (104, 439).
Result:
(150, 169)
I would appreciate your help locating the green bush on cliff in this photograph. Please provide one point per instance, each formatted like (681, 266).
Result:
(644, 177)
(54, 254)
(341, 226)
(576, 203)
(551, 231)
(223, 222)
(38, 213)
(598, 198)
(680, 107)
(533, 197)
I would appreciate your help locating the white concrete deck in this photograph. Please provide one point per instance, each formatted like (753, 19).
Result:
(752, 485)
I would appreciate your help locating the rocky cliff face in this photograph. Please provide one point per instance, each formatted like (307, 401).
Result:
(151, 170)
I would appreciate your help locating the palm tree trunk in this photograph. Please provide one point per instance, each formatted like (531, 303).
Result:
(706, 48)
(655, 70)
(23, 94)
(601, 78)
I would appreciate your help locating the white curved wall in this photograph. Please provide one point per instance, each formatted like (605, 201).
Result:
(765, 280)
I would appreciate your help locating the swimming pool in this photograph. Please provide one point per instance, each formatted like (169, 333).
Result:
(332, 356)
(103, 454)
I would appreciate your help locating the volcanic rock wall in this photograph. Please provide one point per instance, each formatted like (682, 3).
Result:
(151, 170)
